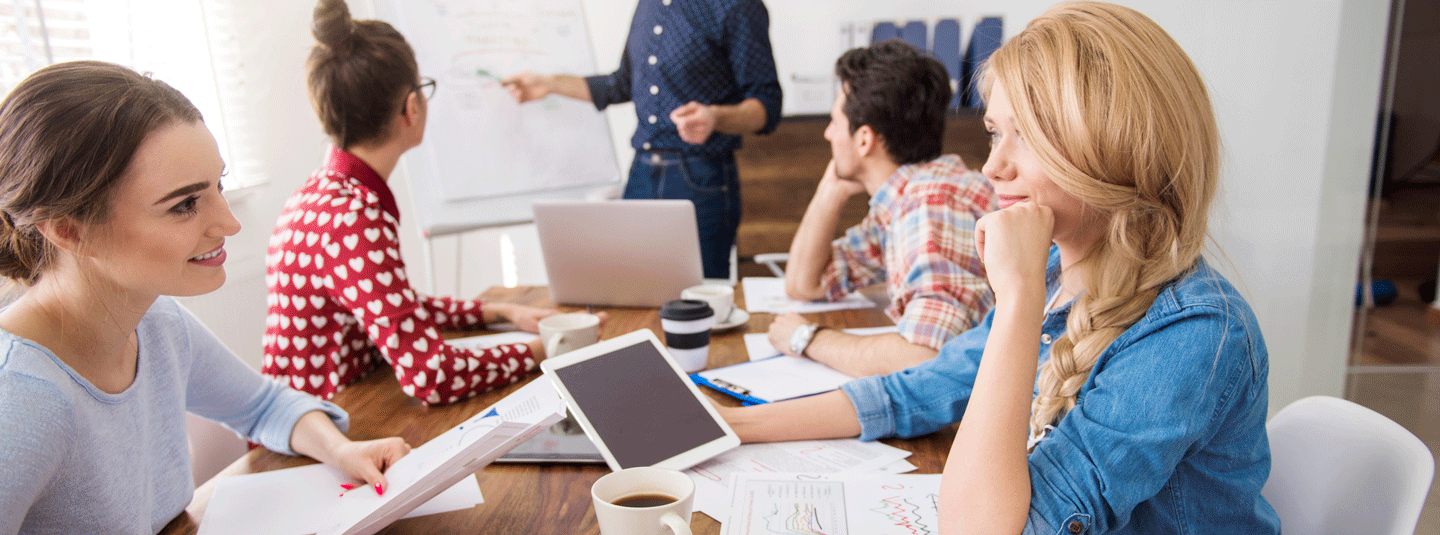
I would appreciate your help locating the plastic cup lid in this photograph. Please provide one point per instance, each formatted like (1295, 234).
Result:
(686, 310)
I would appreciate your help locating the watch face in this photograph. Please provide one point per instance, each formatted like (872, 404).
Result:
(801, 338)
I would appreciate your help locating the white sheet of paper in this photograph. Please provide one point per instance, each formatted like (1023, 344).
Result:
(758, 345)
(712, 478)
(867, 504)
(779, 378)
(291, 499)
(767, 294)
(898, 467)
(487, 341)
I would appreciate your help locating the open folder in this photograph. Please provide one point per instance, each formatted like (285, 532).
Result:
(450, 457)
(427, 471)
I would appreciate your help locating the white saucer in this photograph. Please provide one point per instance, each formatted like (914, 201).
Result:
(737, 318)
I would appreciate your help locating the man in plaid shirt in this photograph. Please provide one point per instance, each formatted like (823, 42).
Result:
(885, 134)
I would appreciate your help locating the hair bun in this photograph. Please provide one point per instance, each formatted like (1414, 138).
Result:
(332, 25)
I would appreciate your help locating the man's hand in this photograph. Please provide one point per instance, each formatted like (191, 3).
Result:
(528, 86)
(782, 328)
(694, 121)
(833, 187)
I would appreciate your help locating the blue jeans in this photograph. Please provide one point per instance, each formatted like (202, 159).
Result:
(710, 182)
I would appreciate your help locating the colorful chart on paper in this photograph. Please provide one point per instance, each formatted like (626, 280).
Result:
(793, 504)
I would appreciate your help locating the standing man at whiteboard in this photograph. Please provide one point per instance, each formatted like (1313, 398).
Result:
(700, 73)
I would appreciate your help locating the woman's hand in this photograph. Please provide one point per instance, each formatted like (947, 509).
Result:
(527, 318)
(316, 436)
(1014, 245)
(368, 460)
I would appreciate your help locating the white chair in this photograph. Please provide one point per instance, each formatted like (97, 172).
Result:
(1340, 468)
(212, 447)
(773, 261)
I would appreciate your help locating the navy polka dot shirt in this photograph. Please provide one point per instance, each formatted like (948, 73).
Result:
(707, 51)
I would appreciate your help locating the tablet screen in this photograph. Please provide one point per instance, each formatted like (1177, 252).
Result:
(639, 430)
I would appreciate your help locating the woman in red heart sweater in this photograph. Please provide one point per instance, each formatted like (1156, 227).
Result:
(339, 299)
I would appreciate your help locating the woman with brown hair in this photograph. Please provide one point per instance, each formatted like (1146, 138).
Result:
(1148, 413)
(110, 202)
(340, 300)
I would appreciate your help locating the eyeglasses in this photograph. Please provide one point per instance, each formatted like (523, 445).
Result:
(426, 87)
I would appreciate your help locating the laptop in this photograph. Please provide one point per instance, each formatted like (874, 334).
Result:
(631, 253)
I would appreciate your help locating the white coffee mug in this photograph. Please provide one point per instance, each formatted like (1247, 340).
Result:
(659, 498)
(720, 297)
(563, 333)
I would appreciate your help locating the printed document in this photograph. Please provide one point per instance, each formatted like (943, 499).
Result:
(712, 478)
(767, 294)
(834, 504)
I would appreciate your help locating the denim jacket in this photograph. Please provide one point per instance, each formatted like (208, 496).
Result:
(1167, 434)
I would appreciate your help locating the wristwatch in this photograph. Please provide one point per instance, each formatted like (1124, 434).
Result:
(800, 338)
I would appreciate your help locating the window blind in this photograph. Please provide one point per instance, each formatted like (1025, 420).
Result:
(185, 43)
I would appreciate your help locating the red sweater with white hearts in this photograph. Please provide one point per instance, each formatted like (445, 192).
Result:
(339, 300)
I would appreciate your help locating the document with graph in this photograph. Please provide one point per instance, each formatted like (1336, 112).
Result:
(801, 504)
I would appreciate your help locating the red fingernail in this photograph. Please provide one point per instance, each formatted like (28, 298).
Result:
(379, 489)
(347, 486)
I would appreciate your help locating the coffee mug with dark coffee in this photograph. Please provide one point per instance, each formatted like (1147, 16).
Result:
(643, 501)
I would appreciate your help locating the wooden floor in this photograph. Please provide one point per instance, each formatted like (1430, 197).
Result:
(1396, 370)
(1401, 333)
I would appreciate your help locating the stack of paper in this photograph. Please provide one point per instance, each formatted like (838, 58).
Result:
(844, 456)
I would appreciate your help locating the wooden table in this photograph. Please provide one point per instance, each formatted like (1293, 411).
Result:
(528, 498)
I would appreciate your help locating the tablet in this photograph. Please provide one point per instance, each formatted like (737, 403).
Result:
(636, 405)
(563, 442)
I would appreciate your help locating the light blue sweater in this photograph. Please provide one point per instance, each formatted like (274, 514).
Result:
(74, 459)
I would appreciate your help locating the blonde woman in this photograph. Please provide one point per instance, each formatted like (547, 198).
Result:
(1148, 413)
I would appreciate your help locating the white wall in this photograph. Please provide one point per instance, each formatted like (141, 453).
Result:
(1295, 84)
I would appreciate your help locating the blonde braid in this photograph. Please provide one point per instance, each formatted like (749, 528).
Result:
(1122, 287)
(1118, 117)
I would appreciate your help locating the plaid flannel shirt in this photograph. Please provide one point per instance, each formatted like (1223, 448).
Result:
(919, 237)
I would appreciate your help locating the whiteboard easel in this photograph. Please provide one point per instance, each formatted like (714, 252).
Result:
(485, 159)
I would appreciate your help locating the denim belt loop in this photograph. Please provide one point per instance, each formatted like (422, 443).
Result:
(664, 157)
